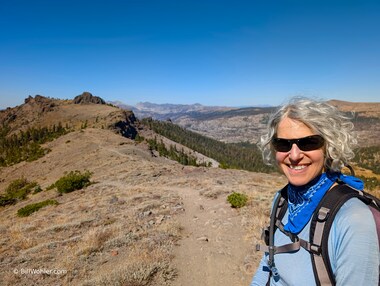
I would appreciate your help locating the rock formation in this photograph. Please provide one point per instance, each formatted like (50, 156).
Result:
(87, 97)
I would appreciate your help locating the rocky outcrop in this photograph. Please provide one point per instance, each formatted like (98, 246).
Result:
(33, 108)
(126, 127)
(87, 98)
(41, 103)
(85, 111)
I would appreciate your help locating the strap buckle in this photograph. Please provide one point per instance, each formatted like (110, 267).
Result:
(323, 214)
(315, 249)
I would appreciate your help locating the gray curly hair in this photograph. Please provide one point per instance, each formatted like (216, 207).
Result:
(322, 118)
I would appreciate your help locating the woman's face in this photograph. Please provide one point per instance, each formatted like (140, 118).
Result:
(300, 167)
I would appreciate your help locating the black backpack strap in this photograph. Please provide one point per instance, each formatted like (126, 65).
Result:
(320, 227)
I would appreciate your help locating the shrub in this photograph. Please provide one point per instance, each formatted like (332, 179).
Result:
(37, 190)
(237, 200)
(18, 190)
(73, 181)
(4, 201)
(139, 138)
(29, 209)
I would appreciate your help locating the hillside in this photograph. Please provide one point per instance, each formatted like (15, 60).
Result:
(139, 221)
(366, 109)
(243, 156)
(41, 111)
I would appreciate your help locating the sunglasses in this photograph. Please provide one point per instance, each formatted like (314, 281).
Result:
(308, 143)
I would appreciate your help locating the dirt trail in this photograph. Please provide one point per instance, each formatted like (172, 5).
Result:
(212, 250)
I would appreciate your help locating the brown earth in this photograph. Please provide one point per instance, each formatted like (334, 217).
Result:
(367, 109)
(144, 221)
(46, 112)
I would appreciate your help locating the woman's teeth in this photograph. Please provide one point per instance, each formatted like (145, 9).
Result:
(298, 167)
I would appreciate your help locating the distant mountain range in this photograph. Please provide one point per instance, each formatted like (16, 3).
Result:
(167, 110)
(232, 124)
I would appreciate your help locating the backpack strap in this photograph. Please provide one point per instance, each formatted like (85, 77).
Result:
(278, 211)
(279, 208)
(321, 223)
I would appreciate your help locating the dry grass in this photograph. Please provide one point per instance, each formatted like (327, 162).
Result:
(83, 239)
(123, 229)
(214, 193)
(120, 222)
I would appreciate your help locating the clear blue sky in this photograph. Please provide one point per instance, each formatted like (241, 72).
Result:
(234, 53)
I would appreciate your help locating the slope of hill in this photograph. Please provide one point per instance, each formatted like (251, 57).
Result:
(42, 111)
(129, 225)
(140, 219)
(365, 109)
(239, 156)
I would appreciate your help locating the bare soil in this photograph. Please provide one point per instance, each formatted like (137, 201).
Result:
(144, 221)
(213, 249)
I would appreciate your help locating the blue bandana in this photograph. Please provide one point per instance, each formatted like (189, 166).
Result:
(302, 201)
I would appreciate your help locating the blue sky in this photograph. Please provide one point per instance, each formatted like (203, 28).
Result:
(213, 52)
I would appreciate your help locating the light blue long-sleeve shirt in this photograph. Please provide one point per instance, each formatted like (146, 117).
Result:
(353, 251)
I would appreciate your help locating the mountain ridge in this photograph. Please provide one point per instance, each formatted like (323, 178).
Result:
(40, 111)
(233, 125)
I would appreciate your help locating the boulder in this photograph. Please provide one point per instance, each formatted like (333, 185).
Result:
(87, 98)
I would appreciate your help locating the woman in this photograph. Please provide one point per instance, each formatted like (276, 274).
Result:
(311, 142)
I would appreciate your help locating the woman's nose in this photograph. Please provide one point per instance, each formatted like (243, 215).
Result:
(295, 153)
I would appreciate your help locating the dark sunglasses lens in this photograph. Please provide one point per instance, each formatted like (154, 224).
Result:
(281, 145)
(310, 143)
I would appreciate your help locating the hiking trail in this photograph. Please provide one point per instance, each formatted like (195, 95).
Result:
(212, 250)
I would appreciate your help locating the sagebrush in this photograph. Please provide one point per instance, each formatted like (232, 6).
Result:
(75, 180)
(237, 200)
(18, 190)
(29, 209)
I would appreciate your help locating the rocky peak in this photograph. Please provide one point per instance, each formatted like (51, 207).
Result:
(39, 100)
(87, 97)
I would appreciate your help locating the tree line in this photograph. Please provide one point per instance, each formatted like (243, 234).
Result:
(173, 153)
(244, 156)
(26, 145)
